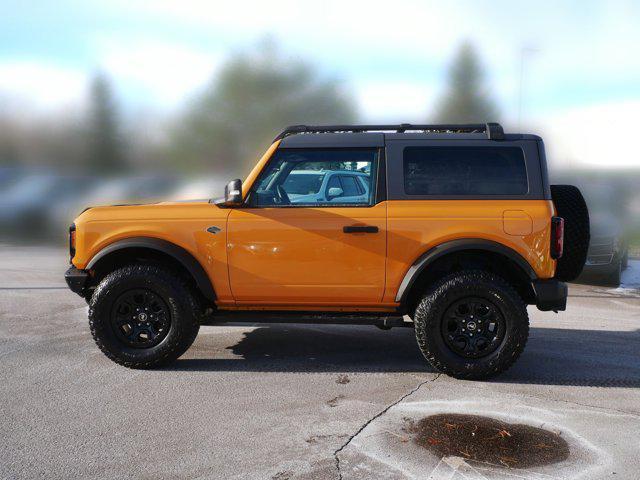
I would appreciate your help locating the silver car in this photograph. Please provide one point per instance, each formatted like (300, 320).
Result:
(322, 186)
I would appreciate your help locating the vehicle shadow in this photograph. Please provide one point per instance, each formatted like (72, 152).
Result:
(595, 358)
(310, 348)
(553, 356)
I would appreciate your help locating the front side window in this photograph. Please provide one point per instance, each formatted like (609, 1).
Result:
(317, 177)
(464, 171)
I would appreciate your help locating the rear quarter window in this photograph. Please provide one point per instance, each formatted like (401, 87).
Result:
(464, 171)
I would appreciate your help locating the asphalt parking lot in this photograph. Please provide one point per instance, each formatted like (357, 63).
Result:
(300, 401)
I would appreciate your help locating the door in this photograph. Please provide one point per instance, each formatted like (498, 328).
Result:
(294, 245)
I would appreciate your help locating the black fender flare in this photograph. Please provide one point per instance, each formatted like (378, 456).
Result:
(430, 256)
(178, 253)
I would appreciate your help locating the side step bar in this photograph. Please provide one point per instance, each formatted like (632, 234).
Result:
(383, 321)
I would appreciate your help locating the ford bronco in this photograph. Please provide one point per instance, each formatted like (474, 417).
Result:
(448, 229)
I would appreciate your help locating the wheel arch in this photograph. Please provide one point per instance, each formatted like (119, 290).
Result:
(157, 249)
(453, 255)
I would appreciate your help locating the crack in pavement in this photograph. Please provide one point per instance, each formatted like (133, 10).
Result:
(595, 407)
(376, 416)
(570, 402)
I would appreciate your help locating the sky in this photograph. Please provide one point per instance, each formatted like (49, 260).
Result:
(567, 70)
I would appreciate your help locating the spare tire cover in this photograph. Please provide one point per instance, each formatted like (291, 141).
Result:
(571, 206)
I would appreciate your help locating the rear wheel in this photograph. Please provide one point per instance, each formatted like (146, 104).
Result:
(142, 316)
(471, 325)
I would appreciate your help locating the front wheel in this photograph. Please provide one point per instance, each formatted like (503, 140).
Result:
(143, 316)
(471, 325)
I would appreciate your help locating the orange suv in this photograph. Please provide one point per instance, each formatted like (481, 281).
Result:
(448, 229)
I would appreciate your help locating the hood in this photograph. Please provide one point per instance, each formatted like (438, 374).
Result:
(150, 211)
(148, 204)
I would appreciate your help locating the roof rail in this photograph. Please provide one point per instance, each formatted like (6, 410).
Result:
(494, 131)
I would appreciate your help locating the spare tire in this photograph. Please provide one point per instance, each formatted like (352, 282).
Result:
(571, 206)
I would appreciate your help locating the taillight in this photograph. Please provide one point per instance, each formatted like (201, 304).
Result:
(72, 241)
(557, 237)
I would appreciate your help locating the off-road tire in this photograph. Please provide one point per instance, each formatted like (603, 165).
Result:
(571, 206)
(471, 283)
(181, 302)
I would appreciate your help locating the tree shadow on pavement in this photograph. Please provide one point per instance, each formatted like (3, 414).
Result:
(553, 356)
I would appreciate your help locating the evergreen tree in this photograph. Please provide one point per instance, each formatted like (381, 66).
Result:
(466, 99)
(104, 141)
(255, 95)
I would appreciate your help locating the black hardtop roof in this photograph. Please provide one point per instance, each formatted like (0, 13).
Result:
(493, 131)
(376, 135)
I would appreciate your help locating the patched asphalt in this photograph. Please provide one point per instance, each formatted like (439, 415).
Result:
(303, 401)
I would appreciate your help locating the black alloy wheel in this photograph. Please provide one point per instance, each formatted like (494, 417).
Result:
(140, 318)
(473, 327)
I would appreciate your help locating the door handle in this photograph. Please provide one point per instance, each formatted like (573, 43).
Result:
(360, 229)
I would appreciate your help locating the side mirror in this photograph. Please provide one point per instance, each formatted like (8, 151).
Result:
(233, 193)
(334, 192)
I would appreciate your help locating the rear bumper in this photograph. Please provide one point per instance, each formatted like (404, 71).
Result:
(77, 280)
(550, 295)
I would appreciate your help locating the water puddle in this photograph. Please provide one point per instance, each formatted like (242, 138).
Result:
(487, 440)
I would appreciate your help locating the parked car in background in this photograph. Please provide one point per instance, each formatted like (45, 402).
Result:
(8, 176)
(608, 250)
(334, 186)
(608, 253)
(28, 199)
(200, 188)
(115, 190)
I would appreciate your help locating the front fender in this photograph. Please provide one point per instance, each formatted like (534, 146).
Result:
(178, 253)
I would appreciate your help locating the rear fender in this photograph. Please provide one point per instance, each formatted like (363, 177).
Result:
(452, 246)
